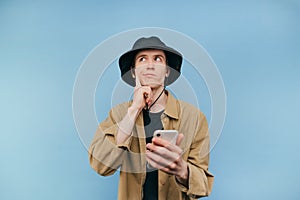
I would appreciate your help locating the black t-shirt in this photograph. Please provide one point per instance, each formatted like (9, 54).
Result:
(152, 122)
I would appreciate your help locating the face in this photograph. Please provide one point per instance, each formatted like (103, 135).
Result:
(151, 67)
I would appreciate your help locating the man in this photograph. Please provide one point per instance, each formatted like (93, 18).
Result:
(153, 168)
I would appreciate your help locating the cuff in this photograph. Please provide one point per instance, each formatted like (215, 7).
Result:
(182, 187)
(199, 182)
(126, 144)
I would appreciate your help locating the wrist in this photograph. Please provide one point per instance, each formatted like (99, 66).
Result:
(134, 110)
(184, 175)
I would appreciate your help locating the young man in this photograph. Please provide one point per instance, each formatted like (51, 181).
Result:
(153, 168)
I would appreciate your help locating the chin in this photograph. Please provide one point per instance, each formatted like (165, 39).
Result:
(154, 85)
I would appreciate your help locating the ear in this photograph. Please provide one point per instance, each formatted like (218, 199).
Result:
(132, 72)
(167, 71)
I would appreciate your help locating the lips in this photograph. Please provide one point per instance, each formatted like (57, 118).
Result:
(149, 75)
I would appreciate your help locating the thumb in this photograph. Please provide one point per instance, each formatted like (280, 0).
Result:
(179, 139)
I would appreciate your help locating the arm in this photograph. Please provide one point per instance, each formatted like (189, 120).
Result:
(111, 144)
(104, 154)
(138, 103)
(126, 125)
(200, 180)
(189, 169)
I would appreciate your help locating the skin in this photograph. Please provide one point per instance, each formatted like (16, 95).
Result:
(150, 72)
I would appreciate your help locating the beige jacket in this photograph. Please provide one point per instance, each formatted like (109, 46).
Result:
(106, 157)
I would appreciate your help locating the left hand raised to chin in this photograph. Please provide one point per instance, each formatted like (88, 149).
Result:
(167, 157)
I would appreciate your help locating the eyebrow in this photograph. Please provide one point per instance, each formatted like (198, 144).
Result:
(154, 55)
(141, 55)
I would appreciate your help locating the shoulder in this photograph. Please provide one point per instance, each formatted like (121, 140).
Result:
(188, 108)
(182, 109)
(190, 115)
(121, 106)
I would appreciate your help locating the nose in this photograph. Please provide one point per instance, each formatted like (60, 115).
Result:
(150, 64)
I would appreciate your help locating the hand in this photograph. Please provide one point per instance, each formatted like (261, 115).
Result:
(167, 157)
(142, 95)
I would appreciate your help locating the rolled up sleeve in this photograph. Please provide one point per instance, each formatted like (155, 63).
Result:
(104, 155)
(200, 180)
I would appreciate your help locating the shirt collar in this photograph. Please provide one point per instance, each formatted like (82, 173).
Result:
(171, 107)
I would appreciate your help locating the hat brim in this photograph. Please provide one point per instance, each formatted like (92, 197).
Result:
(174, 59)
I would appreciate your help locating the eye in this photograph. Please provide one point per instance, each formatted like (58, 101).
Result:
(142, 59)
(158, 59)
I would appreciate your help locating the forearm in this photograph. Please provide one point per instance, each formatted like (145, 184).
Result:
(104, 156)
(126, 125)
(199, 183)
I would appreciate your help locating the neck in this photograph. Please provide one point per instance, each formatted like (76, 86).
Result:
(160, 104)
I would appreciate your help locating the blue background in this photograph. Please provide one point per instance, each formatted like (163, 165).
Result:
(255, 45)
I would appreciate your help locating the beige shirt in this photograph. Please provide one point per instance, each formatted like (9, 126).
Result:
(106, 157)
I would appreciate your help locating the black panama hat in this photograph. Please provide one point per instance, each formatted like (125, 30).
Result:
(174, 59)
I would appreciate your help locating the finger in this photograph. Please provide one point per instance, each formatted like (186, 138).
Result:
(148, 95)
(169, 171)
(172, 168)
(153, 164)
(160, 142)
(163, 152)
(166, 144)
(158, 161)
(137, 81)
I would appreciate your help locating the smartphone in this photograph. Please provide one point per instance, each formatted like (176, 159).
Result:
(169, 135)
